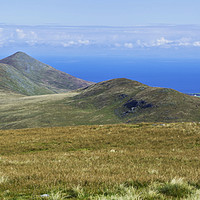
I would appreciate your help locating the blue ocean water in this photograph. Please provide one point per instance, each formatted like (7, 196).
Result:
(179, 74)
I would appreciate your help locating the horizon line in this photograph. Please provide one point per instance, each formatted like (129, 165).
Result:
(105, 26)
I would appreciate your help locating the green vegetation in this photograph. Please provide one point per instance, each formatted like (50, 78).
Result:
(104, 153)
(109, 102)
(136, 161)
(25, 75)
(12, 80)
(101, 161)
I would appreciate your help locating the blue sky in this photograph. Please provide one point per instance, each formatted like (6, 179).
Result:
(99, 12)
(98, 27)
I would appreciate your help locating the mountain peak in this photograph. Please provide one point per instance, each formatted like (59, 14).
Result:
(23, 62)
(42, 74)
(19, 53)
(18, 57)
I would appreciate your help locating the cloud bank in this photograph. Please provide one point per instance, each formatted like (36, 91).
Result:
(110, 38)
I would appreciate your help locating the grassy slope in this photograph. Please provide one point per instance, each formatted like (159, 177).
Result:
(12, 80)
(102, 103)
(165, 104)
(37, 74)
(141, 161)
(33, 111)
(49, 110)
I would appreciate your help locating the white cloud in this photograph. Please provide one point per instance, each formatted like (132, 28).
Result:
(166, 43)
(161, 42)
(33, 34)
(20, 33)
(183, 42)
(32, 38)
(101, 37)
(139, 43)
(65, 44)
(128, 45)
(117, 45)
(68, 44)
(84, 42)
(142, 44)
(75, 43)
(196, 44)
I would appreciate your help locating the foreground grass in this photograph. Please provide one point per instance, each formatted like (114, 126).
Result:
(141, 161)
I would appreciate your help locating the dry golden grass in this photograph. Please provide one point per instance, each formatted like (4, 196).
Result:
(38, 161)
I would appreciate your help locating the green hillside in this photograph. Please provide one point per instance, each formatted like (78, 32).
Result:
(108, 102)
(12, 80)
(132, 101)
(24, 74)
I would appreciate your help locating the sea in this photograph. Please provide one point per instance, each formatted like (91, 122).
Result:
(182, 74)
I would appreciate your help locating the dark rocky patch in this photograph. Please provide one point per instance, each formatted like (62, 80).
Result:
(132, 104)
(122, 96)
(131, 107)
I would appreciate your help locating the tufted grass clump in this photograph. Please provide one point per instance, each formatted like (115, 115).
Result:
(176, 188)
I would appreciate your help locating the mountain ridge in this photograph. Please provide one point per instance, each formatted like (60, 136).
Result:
(132, 101)
(45, 78)
(108, 102)
(113, 101)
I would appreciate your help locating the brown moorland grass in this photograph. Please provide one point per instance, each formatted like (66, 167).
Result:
(88, 162)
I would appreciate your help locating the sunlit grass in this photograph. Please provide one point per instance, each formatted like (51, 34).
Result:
(141, 161)
(3, 178)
